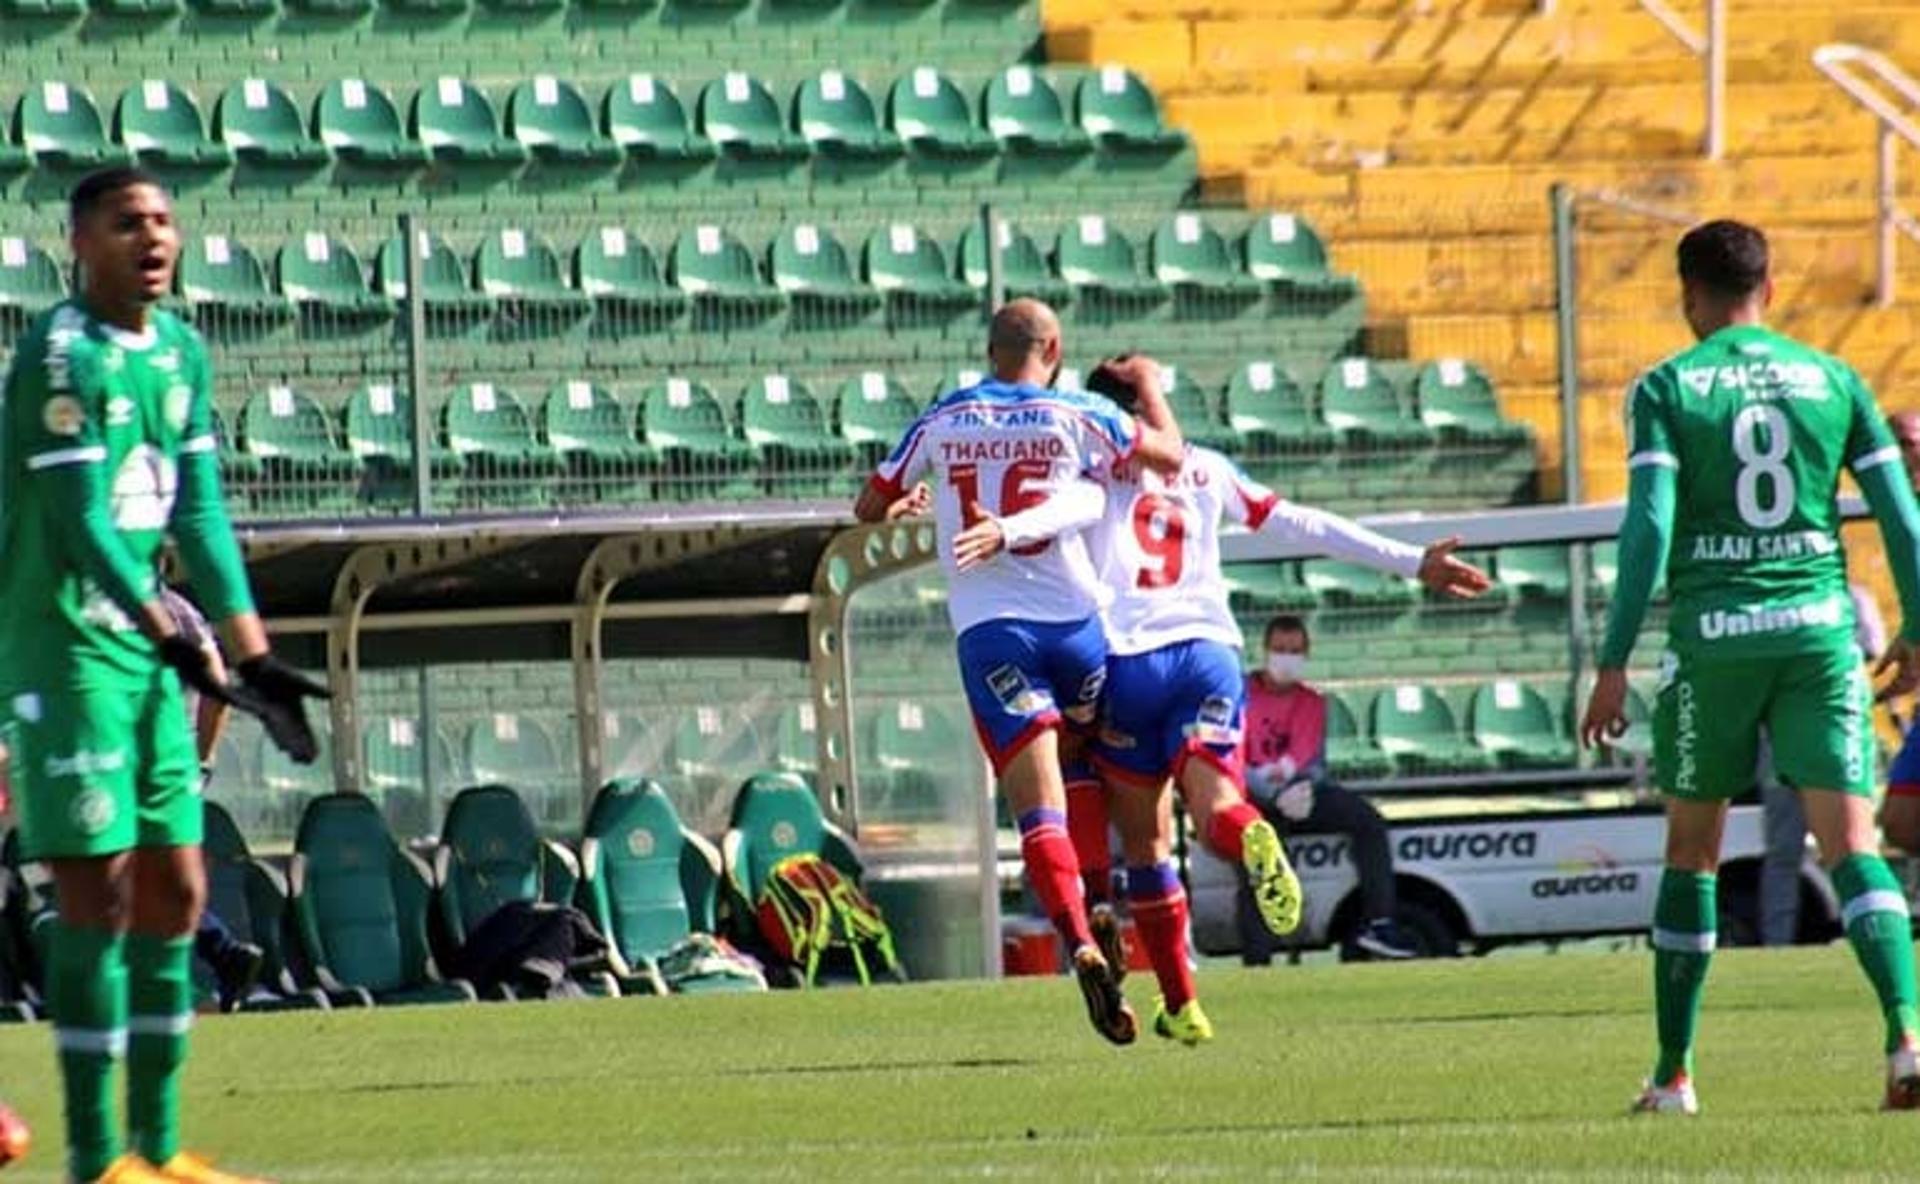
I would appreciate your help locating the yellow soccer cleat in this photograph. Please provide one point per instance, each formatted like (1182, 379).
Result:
(1189, 1025)
(187, 1168)
(131, 1169)
(1276, 890)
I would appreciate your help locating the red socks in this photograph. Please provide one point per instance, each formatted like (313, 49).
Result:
(1159, 907)
(1087, 824)
(1054, 873)
(1227, 826)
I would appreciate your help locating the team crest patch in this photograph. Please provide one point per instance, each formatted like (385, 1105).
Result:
(784, 836)
(92, 811)
(63, 415)
(1214, 723)
(640, 843)
(179, 400)
(1015, 693)
(1669, 670)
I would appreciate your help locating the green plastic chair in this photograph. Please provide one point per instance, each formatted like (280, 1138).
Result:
(302, 463)
(774, 816)
(1514, 723)
(260, 124)
(717, 270)
(360, 906)
(1343, 585)
(918, 748)
(14, 157)
(873, 412)
(331, 9)
(552, 119)
(517, 267)
(42, 9)
(360, 124)
(393, 750)
(632, 748)
(1283, 250)
(1185, 253)
(1351, 754)
(1199, 422)
(712, 743)
(502, 462)
(1100, 261)
(740, 115)
(250, 898)
(320, 273)
(1457, 400)
(30, 281)
(909, 268)
(592, 432)
(60, 126)
(1023, 268)
(682, 423)
(490, 854)
(1414, 726)
(1025, 114)
(796, 742)
(1360, 403)
(457, 124)
(931, 115)
(783, 420)
(1117, 108)
(811, 266)
(443, 277)
(836, 115)
(238, 8)
(222, 277)
(646, 118)
(1262, 589)
(379, 430)
(1535, 572)
(618, 272)
(1273, 415)
(160, 124)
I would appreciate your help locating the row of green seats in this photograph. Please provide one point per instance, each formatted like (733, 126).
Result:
(1411, 731)
(1522, 574)
(451, 122)
(855, 11)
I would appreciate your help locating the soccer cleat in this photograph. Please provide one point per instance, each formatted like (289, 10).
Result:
(1106, 934)
(1106, 1006)
(236, 970)
(1675, 1097)
(1903, 1078)
(131, 1169)
(1385, 939)
(187, 1168)
(1189, 1025)
(1276, 890)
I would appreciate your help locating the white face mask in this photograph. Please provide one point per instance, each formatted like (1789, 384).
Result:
(1285, 668)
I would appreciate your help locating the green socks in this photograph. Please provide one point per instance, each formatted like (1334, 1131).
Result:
(87, 994)
(1683, 941)
(160, 988)
(1874, 910)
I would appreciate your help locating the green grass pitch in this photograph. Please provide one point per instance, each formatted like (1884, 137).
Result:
(1515, 1069)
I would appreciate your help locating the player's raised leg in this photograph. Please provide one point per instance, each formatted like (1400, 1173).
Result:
(1090, 826)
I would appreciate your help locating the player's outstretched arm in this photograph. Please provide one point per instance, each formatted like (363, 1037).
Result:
(1342, 538)
(1645, 534)
(1077, 505)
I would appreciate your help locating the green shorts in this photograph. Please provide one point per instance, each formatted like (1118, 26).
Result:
(1814, 709)
(100, 770)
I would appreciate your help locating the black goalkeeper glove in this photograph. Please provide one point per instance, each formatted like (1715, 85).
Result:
(275, 692)
(190, 662)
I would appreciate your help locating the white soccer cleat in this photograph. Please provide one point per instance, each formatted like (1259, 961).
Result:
(1903, 1079)
(1676, 1098)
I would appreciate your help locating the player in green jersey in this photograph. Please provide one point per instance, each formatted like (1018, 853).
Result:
(106, 450)
(1737, 449)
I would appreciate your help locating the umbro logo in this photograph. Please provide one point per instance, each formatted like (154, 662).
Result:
(1700, 382)
(119, 412)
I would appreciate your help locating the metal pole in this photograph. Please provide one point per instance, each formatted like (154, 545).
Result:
(1716, 79)
(410, 234)
(430, 770)
(1566, 310)
(1886, 185)
(996, 277)
(992, 963)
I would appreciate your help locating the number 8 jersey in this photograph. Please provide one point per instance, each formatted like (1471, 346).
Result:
(1758, 429)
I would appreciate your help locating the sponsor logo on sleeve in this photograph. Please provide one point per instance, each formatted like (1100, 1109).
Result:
(63, 416)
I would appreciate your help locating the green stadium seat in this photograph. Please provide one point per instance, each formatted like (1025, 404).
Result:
(502, 463)
(1099, 261)
(250, 897)
(1457, 400)
(394, 757)
(740, 115)
(1025, 114)
(648, 884)
(645, 117)
(932, 116)
(302, 464)
(1191, 257)
(331, 9)
(796, 743)
(1116, 108)
(1023, 268)
(321, 274)
(555, 123)
(836, 115)
(1273, 415)
(632, 749)
(379, 430)
(782, 419)
(42, 9)
(360, 906)
(1343, 585)
(920, 751)
(14, 157)
(592, 432)
(775, 816)
(161, 125)
(238, 471)
(30, 281)
(1514, 723)
(1536, 572)
(1262, 589)
(712, 745)
(60, 126)
(683, 424)
(223, 278)
(237, 8)
(359, 123)
(811, 266)
(260, 124)
(873, 412)
(1414, 726)
(520, 268)
(1198, 420)
(1284, 252)
(136, 9)
(911, 270)
(1352, 755)
(490, 854)
(970, 376)
(718, 272)
(443, 278)
(1360, 402)
(457, 124)
(619, 273)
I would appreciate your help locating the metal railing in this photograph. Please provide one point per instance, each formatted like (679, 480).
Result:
(1709, 45)
(1866, 76)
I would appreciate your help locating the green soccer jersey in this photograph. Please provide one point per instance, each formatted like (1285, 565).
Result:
(1757, 429)
(86, 401)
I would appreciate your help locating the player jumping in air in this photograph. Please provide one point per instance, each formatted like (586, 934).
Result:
(106, 449)
(1175, 694)
(1032, 654)
(1737, 448)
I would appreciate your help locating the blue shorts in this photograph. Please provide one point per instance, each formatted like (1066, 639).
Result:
(1182, 700)
(1903, 779)
(1024, 677)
